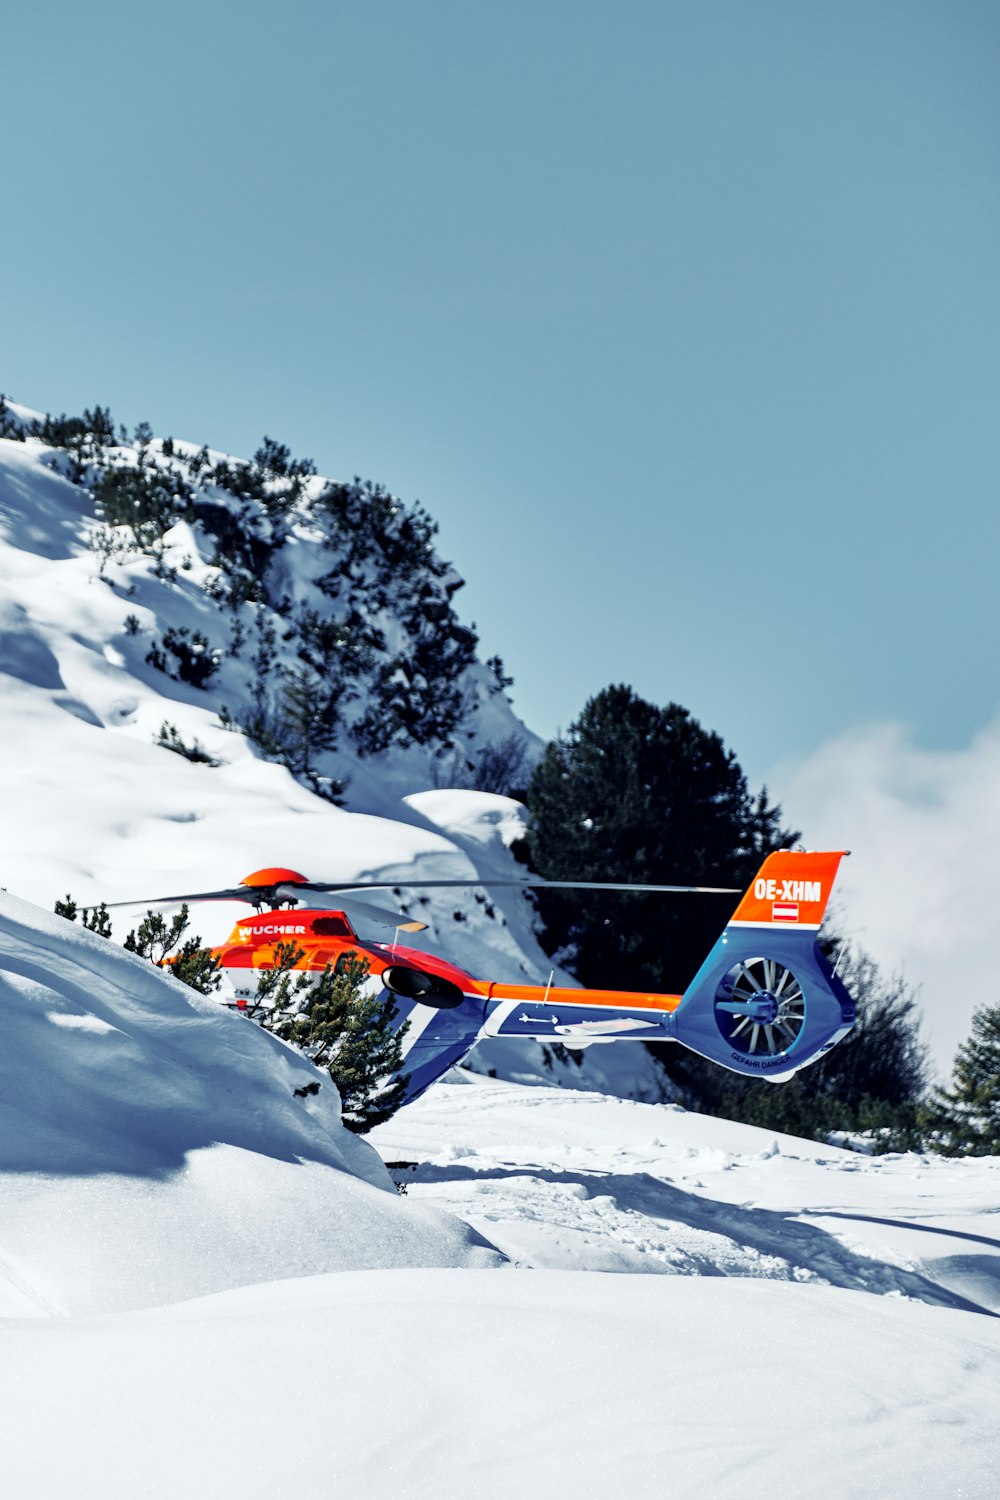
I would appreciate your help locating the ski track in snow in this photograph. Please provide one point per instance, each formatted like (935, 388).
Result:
(557, 1181)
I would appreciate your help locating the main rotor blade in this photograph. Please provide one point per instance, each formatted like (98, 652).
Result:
(238, 893)
(258, 895)
(331, 888)
(380, 914)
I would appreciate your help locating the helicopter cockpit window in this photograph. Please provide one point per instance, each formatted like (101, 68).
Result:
(331, 927)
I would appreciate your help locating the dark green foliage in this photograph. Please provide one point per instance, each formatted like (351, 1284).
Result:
(366, 519)
(155, 937)
(884, 1057)
(501, 681)
(241, 550)
(194, 660)
(390, 639)
(148, 501)
(94, 918)
(274, 479)
(61, 432)
(386, 557)
(97, 919)
(964, 1119)
(95, 430)
(169, 739)
(797, 1108)
(638, 793)
(10, 427)
(276, 462)
(339, 1020)
(192, 964)
(342, 648)
(417, 698)
(310, 713)
(295, 725)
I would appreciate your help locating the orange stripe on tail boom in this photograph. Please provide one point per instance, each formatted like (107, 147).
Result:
(620, 999)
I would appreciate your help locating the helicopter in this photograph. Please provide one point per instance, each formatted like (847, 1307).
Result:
(764, 1003)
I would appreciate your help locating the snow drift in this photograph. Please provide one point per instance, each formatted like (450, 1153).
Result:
(152, 1147)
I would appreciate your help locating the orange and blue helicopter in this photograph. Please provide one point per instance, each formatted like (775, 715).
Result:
(764, 1003)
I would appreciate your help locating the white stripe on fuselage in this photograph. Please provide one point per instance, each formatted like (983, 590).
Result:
(420, 1018)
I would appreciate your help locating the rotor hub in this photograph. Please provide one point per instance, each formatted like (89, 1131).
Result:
(760, 1007)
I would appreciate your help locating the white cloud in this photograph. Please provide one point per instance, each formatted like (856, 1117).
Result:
(921, 891)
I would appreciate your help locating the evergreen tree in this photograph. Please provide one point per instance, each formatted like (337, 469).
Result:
(97, 919)
(964, 1120)
(169, 739)
(310, 715)
(343, 1021)
(145, 500)
(94, 918)
(192, 964)
(638, 793)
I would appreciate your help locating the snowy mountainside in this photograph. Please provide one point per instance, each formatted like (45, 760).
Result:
(98, 807)
(315, 616)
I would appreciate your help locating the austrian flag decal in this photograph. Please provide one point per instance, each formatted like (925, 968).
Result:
(785, 911)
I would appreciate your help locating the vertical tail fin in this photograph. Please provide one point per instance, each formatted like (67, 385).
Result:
(791, 889)
(765, 1002)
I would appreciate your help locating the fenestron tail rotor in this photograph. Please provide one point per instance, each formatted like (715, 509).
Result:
(760, 1007)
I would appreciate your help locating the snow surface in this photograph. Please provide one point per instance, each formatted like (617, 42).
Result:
(822, 1323)
(152, 1147)
(446, 1385)
(209, 1288)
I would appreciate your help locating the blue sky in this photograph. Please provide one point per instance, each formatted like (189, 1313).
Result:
(683, 320)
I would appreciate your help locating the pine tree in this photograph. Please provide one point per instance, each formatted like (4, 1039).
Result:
(192, 964)
(344, 1022)
(94, 918)
(638, 793)
(309, 719)
(97, 919)
(964, 1120)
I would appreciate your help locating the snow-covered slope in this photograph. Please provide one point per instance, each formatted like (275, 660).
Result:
(95, 807)
(820, 1324)
(152, 1147)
